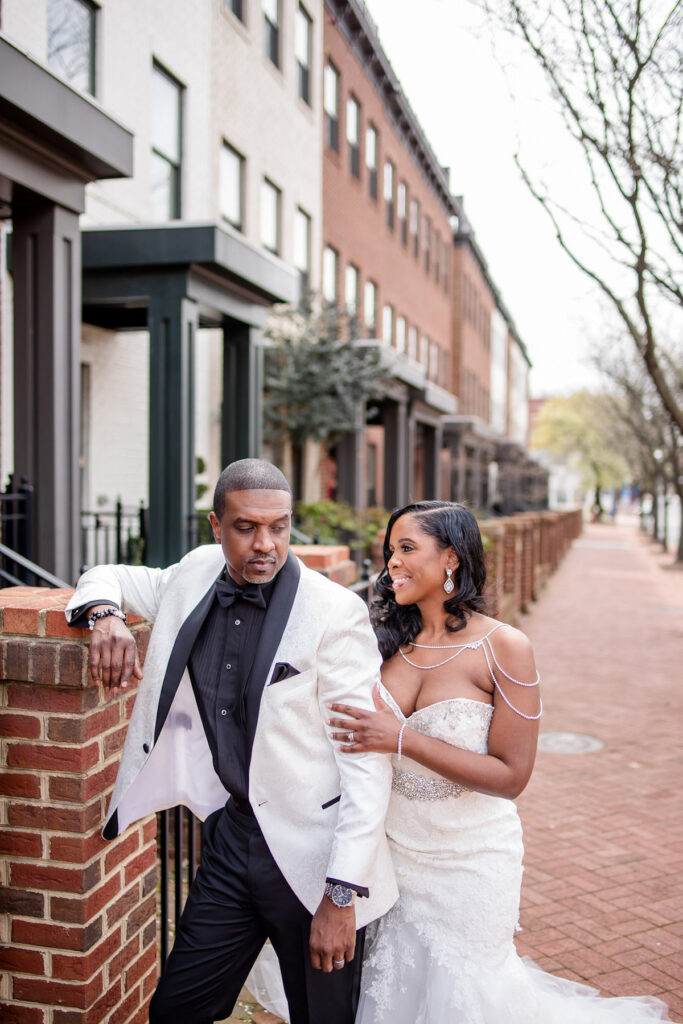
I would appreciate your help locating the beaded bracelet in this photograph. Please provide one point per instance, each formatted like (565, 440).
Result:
(102, 614)
(400, 740)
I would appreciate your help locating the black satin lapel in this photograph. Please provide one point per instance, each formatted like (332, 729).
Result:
(274, 624)
(177, 663)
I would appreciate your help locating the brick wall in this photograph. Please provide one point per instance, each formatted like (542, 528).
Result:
(524, 550)
(77, 914)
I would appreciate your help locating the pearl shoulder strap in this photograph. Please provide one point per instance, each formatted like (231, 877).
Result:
(489, 654)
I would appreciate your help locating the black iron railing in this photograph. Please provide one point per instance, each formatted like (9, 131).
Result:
(24, 572)
(179, 847)
(16, 503)
(114, 535)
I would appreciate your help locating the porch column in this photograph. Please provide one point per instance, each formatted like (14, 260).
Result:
(46, 263)
(395, 454)
(351, 484)
(242, 420)
(172, 325)
(433, 436)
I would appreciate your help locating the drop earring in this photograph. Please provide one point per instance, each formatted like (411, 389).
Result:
(449, 585)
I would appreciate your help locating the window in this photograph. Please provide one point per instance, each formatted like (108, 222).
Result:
(427, 242)
(371, 159)
(437, 257)
(424, 351)
(236, 6)
(415, 226)
(302, 247)
(166, 145)
(402, 207)
(330, 260)
(71, 42)
(303, 31)
(232, 186)
(370, 307)
(389, 192)
(271, 30)
(433, 371)
(352, 134)
(388, 325)
(412, 342)
(401, 334)
(446, 266)
(351, 288)
(270, 216)
(331, 103)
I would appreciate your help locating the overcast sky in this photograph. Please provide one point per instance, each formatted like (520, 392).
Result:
(449, 65)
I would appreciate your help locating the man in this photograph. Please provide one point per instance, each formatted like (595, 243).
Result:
(249, 648)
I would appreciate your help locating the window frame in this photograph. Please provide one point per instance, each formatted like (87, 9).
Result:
(387, 308)
(354, 147)
(177, 168)
(92, 12)
(335, 255)
(373, 178)
(415, 227)
(304, 272)
(390, 200)
(370, 324)
(304, 72)
(227, 146)
(268, 183)
(331, 117)
(272, 35)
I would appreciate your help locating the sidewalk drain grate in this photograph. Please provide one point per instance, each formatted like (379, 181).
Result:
(568, 743)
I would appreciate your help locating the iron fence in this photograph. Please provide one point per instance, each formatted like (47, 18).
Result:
(16, 503)
(114, 535)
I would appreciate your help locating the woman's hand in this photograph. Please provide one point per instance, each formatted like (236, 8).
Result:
(372, 730)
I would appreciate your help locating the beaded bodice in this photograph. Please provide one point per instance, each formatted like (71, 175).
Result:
(460, 721)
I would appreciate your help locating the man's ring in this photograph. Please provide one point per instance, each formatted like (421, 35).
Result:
(350, 741)
(339, 963)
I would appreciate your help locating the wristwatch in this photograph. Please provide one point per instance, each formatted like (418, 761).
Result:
(341, 895)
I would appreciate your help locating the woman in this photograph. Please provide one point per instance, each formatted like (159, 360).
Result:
(459, 713)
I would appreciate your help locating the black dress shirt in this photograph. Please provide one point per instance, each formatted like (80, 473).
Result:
(219, 666)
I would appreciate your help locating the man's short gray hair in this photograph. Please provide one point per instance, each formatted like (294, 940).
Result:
(248, 475)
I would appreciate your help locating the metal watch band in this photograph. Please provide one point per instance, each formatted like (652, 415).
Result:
(341, 895)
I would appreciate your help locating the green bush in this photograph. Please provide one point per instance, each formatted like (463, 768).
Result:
(337, 522)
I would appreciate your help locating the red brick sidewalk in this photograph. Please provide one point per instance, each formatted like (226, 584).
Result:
(603, 889)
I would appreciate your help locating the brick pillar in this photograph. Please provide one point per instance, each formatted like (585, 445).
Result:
(492, 532)
(77, 914)
(512, 571)
(332, 560)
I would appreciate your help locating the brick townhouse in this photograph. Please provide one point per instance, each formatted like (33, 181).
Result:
(484, 459)
(386, 256)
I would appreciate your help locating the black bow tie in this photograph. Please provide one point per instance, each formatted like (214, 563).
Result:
(228, 592)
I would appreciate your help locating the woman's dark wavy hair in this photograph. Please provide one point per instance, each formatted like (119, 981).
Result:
(451, 525)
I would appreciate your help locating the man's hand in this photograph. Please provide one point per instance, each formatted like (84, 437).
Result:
(333, 936)
(113, 654)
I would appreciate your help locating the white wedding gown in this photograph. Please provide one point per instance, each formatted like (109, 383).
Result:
(445, 951)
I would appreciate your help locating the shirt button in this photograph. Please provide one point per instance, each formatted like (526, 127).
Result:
(224, 711)
(228, 666)
(238, 622)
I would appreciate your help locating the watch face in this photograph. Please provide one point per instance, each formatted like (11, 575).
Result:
(341, 896)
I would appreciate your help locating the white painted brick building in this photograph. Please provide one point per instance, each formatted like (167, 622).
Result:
(221, 68)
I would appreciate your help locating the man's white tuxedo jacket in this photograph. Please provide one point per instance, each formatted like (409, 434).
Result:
(320, 811)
